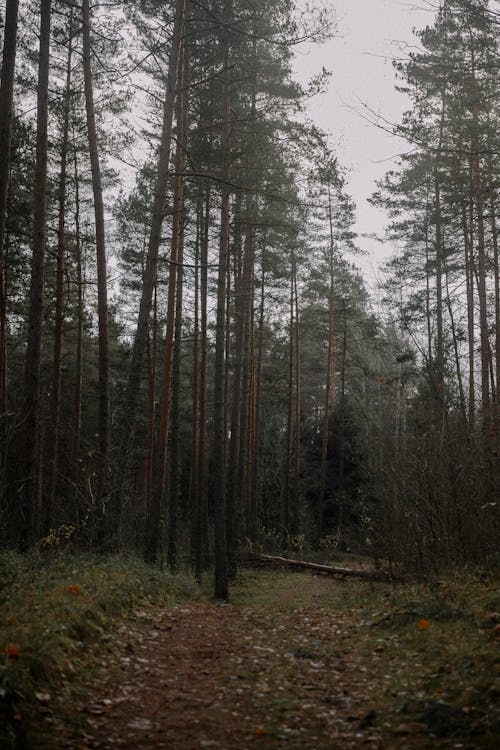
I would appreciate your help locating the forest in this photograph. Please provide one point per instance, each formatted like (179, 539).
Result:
(194, 375)
(189, 357)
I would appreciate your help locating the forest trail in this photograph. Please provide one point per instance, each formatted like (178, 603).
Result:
(224, 676)
(256, 673)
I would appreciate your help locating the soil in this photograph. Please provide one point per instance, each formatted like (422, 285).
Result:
(221, 676)
(289, 674)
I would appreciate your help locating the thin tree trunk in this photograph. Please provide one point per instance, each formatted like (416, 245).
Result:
(6, 118)
(158, 214)
(195, 426)
(220, 550)
(177, 350)
(481, 249)
(285, 485)
(201, 504)
(330, 376)
(430, 355)
(439, 375)
(469, 280)
(174, 494)
(340, 511)
(102, 284)
(31, 411)
(160, 489)
(297, 451)
(251, 434)
(246, 292)
(254, 499)
(151, 442)
(55, 415)
(233, 496)
(77, 402)
(463, 407)
(496, 272)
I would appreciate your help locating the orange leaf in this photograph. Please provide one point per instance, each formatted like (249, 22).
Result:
(13, 650)
(73, 589)
(423, 624)
(260, 732)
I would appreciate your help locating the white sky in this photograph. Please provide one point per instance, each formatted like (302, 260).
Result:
(370, 33)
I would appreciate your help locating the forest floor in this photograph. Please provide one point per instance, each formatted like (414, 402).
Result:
(294, 661)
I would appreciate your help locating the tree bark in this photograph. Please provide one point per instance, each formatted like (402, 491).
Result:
(330, 375)
(195, 399)
(298, 413)
(233, 496)
(31, 506)
(158, 498)
(201, 503)
(220, 550)
(55, 411)
(477, 180)
(150, 271)
(6, 118)
(100, 241)
(469, 281)
(177, 350)
(80, 311)
(332, 570)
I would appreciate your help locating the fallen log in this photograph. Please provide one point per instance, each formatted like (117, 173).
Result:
(331, 570)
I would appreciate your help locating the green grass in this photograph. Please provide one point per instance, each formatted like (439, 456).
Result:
(431, 651)
(54, 609)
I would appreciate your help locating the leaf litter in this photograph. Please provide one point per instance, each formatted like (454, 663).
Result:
(309, 669)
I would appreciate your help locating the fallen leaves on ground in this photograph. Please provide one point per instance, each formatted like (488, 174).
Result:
(298, 673)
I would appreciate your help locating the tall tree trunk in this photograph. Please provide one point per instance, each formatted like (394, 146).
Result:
(195, 423)
(477, 179)
(298, 412)
(249, 484)
(80, 312)
(158, 498)
(461, 392)
(341, 499)
(102, 284)
(428, 307)
(151, 441)
(330, 375)
(201, 503)
(469, 281)
(438, 384)
(174, 488)
(286, 480)
(255, 485)
(246, 297)
(158, 214)
(439, 374)
(220, 550)
(55, 411)
(233, 497)
(6, 117)
(496, 273)
(31, 437)
(177, 350)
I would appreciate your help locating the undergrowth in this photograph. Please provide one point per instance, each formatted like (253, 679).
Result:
(431, 651)
(53, 611)
(428, 653)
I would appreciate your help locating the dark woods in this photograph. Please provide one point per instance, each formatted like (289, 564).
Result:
(188, 359)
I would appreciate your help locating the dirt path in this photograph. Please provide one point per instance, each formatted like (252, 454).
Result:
(295, 662)
(223, 676)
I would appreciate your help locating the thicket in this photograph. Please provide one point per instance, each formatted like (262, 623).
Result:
(224, 376)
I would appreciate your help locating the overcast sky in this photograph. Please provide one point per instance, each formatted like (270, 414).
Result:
(370, 33)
